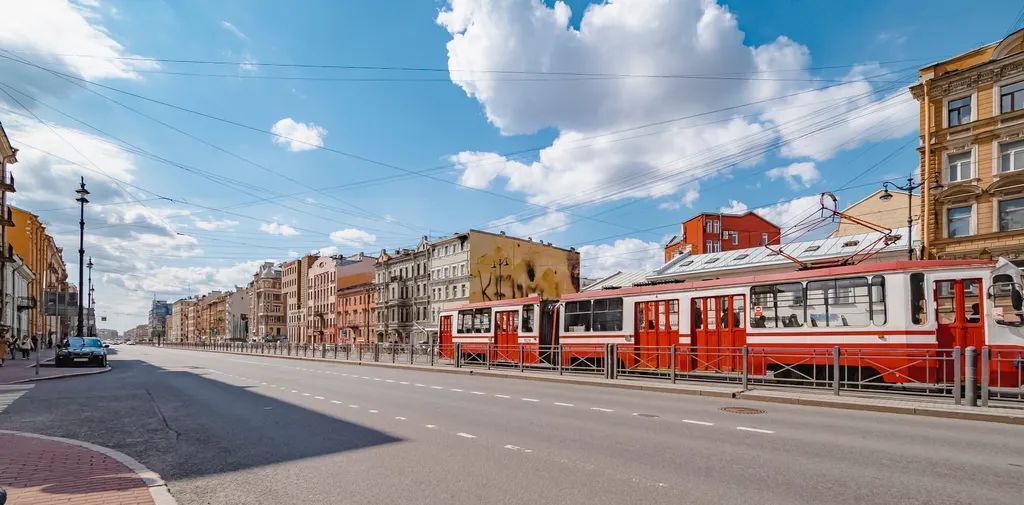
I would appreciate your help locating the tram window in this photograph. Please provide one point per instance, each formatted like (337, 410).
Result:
(673, 314)
(878, 316)
(945, 294)
(577, 316)
(608, 314)
(918, 314)
(723, 307)
(465, 321)
(712, 318)
(789, 304)
(737, 311)
(527, 315)
(762, 307)
(1006, 299)
(839, 302)
(482, 321)
(698, 316)
(972, 300)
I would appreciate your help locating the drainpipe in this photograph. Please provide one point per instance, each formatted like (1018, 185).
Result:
(926, 192)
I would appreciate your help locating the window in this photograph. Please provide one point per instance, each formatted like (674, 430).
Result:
(945, 299)
(1011, 97)
(708, 247)
(958, 222)
(959, 111)
(735, 238)
(959, 167)
(1011, 214)
(777, 306)
(764, 239)
(839, 302)
(673, 314)
(463, 290)
(877, 294)
(708, 227)
(1006, 299)
(608, 314)
(725, 234)
(577, 316)
(1011, 156)
(527, 315)
(482, 321)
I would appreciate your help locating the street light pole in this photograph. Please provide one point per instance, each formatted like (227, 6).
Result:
(89, 313)
(82, 200)
(909, 187)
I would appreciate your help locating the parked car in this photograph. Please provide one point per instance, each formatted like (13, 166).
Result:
(80, 351)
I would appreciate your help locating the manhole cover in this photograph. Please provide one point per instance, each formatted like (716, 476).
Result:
(638, 414)
(743, 410)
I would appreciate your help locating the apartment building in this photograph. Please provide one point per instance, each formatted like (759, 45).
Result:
(178, 326)
(266, 308)
(716, 232)
(27, 235)
(356, 311)
(293, 290)
(972, 152)
(325, 277)
(402, 303)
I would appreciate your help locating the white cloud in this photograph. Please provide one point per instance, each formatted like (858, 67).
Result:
(215, 224)
(353, 237)
(541, 226)
(298, 136)
(789, 213)
(627, 255)
(804, 174)
(331, 250)
(231, 28)
(587, 161)
(734, 207)
(691, 193)
(276, 228)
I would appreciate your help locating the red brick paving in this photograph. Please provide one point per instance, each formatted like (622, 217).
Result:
(36, 471)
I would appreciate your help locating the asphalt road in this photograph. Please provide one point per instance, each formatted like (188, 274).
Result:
(227, 429)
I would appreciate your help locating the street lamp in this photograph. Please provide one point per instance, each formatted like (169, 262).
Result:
(82, 200)
(909, 187)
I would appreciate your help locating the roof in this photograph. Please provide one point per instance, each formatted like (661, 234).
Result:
(810, 251)
(618, 280)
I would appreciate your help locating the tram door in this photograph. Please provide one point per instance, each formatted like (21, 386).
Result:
(719, 329)
(506, 336)
(444, 332)
(657, 330)
(959, 313)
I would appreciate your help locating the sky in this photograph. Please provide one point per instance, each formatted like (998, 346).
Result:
(218, 135)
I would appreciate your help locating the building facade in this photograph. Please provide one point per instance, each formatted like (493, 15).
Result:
(159, 311)
(178, 328)
(356, 312)
(717, 232)
(402, 305)
(972, 152)
(293, 288)
(17, 279)
(266, 308)
(891, 213)
(236, 314)
(325, 276)
(30, 240)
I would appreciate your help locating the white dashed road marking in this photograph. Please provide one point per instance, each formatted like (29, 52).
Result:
(436, 387)
(400, 418)
(755, 430)
(430, 425)
(529, 400)
(372, 411)
(503, 396)
(319, 397)
(517, 448)
(702, 423)
(599, 409)
(456, 390)
(336, 401)
(477, 393)
(560, 404)
(465, 435)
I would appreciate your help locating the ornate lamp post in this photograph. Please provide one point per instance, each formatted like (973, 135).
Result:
(89, 312)
(82, 200)
(909, 187)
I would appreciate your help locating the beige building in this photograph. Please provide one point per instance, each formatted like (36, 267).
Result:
(266, 308)
(293, 290)
(891, 213)
(178, 324)
(324, 278)
(972, 152)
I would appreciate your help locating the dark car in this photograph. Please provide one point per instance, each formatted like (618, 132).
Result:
(80, 351)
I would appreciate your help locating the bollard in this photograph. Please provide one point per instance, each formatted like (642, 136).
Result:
(359, 353)
(672, 356)
(522, 352)
(971, 374)
(431, 348)
(487, 357)
(614, 374)
(458, 355)
(958, 387)
(746, 373)
(835, 370)
(985, 355)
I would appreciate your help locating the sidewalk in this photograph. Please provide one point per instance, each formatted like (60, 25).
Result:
(22, 370)
(36, 470)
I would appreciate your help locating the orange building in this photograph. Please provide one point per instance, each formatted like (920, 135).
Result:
(717, 232)
(355, 311)
(29, 239)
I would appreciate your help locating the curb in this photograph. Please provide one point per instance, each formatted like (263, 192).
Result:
(61, 376)
(687, 389)
(157, 487)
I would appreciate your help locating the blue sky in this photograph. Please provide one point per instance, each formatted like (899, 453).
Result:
(459, 123)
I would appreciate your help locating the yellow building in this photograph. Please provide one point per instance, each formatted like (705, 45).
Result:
(888, 213)
(972, 152)
(30, 240)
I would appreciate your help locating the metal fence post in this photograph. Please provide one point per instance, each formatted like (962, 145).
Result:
(359, 353)
(522, 354)
(615, 362)
(672, 356)
(458, 355)
(958, 387)
(394, 352)
(835, 370)
(971, 360)
(487, 357)
(984, 375)
(746, 372)
(559, 354)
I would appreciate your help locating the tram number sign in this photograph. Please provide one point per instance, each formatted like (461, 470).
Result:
(758, 311)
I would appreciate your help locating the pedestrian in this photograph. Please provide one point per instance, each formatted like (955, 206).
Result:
(3, 350)
(25, 346)
(12, 346)
(35, 343)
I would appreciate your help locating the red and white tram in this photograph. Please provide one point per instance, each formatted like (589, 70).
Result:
(897, 313)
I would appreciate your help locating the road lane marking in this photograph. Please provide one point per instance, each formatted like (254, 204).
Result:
(517, 448)
(477, 393)
(420, 385)
(319, 397)
(372, 411)
(456, 390)
(465, 435)
(529, 400)
(404, 382)
(560, 404)
(436, 387)
(294, 391)
(702, 423)
(376, 379)
(354, 406)
(755, 430)
(503, 396)
(389, 380)
(305, 394)
(599, 409)
(336, 401)
(400, 418)
(430, 425)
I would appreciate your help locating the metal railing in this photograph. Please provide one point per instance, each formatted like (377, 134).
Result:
(972, 376)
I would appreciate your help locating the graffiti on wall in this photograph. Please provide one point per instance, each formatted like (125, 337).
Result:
(503, 268)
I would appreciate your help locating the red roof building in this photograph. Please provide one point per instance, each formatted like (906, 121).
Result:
(716, 232)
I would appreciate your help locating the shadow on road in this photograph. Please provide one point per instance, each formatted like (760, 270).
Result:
(182, 423)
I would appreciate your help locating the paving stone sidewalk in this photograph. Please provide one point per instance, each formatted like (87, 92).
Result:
(17, 370)
(42, 470)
